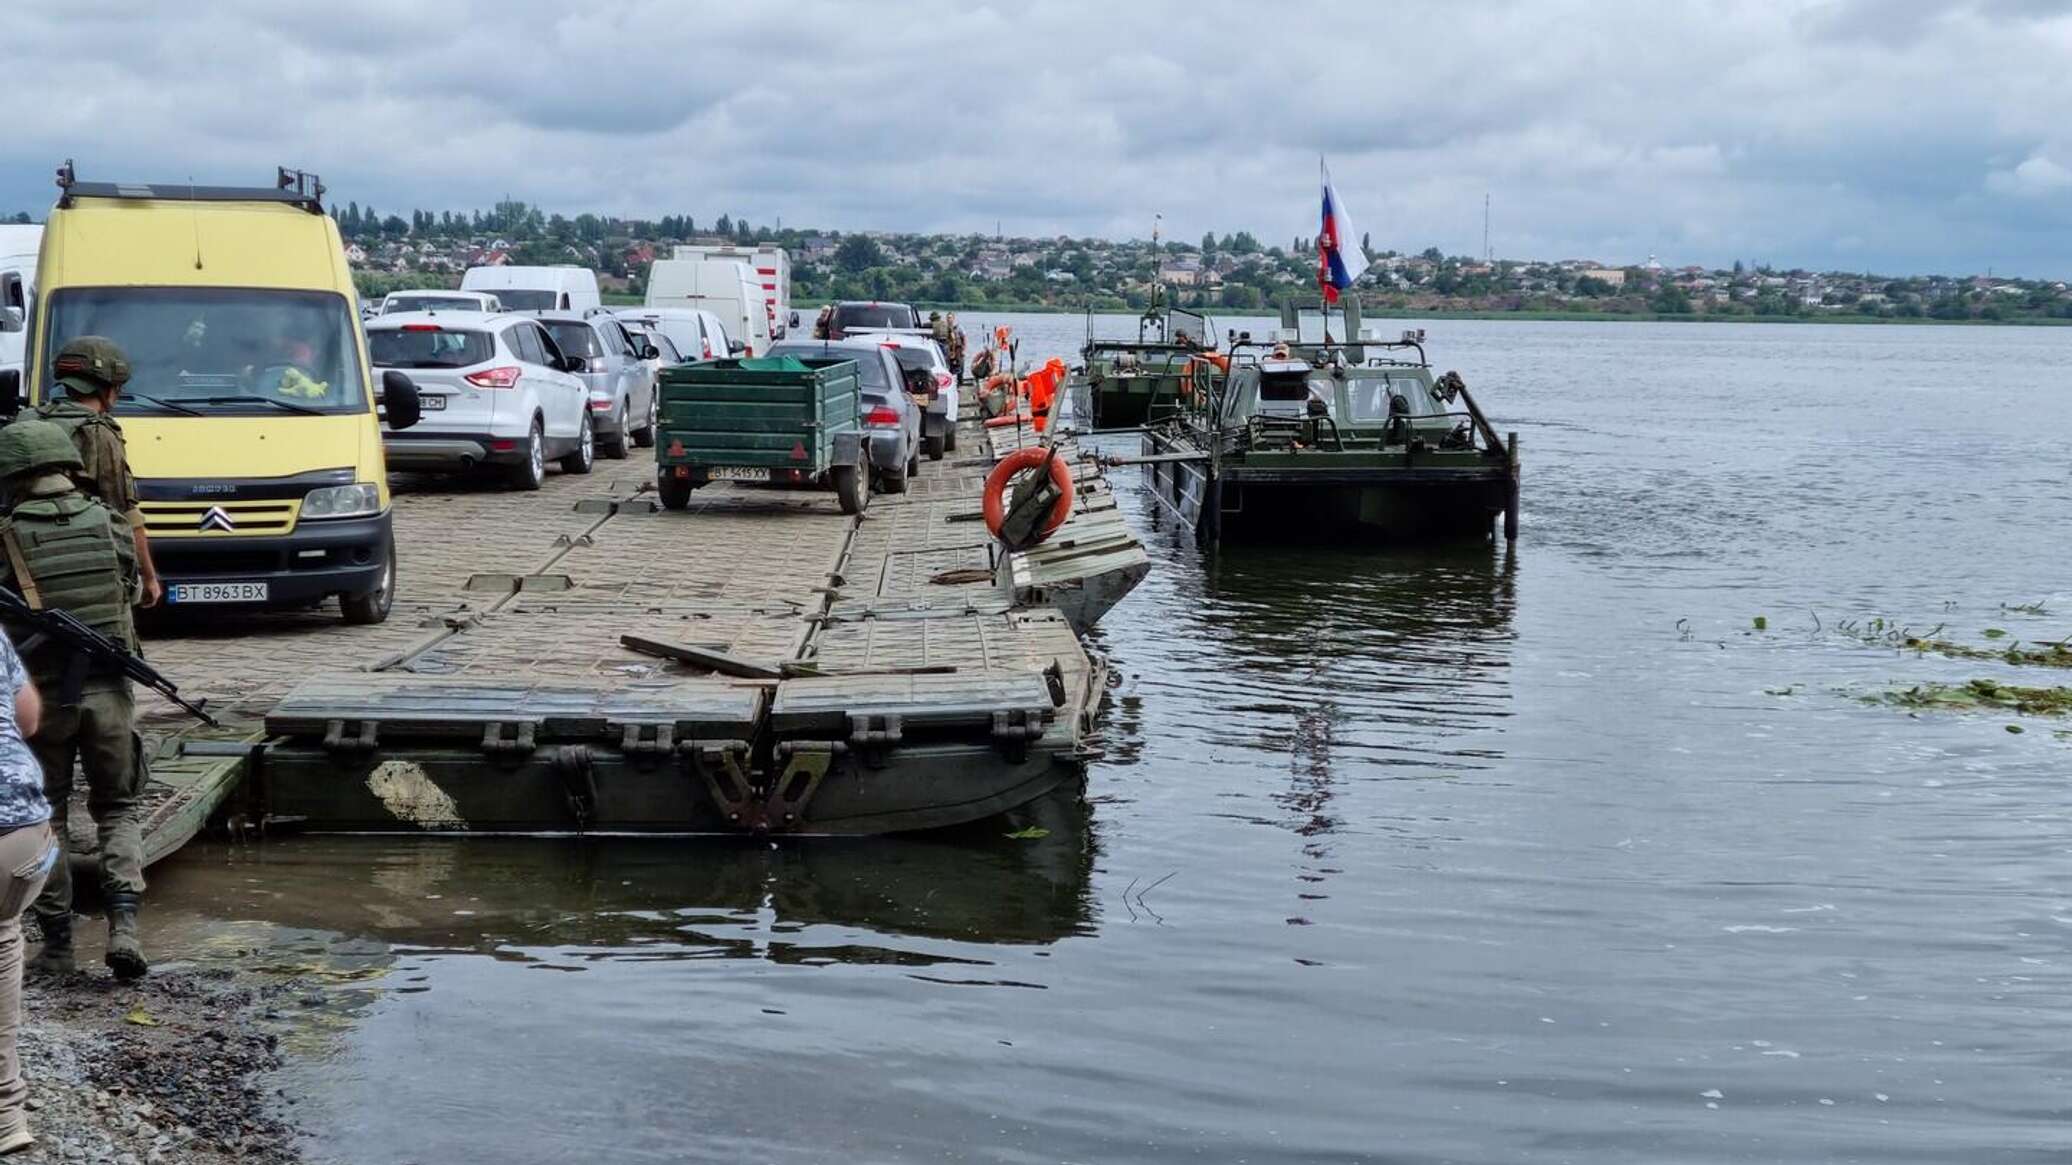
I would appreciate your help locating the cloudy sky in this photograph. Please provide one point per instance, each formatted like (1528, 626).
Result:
(1892, 135)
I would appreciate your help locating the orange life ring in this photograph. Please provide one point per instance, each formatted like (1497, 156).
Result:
(1023, 459)
(1006, 419)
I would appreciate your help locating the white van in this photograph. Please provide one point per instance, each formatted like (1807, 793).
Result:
(18, 247)
(697, 334)
(727, 287)
(536, 288)
(772, 269)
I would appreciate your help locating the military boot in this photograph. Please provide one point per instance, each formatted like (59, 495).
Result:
(125, 954)
(56, 956)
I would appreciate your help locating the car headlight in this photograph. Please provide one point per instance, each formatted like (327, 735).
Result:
(342, 501)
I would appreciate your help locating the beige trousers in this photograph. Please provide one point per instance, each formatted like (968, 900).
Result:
(26, 858)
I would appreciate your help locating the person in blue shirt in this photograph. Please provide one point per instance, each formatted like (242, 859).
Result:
(28, 851)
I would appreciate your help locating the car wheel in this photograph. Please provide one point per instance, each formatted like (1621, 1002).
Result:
(895, 481)
(645, 436)
(949, 436)
(933, 446)
(614, 446)
(375, 605)
(530, 472)
(585, 454)
(914, 460)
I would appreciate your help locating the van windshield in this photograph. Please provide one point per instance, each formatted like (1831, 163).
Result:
(526, 299)
(222, 349)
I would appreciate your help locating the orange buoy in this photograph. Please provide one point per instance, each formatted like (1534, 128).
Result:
(1003, 474)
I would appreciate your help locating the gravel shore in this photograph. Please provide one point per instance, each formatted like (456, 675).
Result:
(162, 1072)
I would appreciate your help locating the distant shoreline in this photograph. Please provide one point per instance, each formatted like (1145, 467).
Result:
(1587, 317)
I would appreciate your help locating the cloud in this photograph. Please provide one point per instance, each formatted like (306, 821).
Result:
(1926, 135)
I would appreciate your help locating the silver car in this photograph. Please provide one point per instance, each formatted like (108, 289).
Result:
(891, 418)
(618, 371)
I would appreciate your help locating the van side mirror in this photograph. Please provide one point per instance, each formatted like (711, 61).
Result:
(794, 319)
(399, 396)
(10, 391)
(736, 347)
(650, 352)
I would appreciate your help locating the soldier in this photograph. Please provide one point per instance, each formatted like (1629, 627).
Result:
(65, 550)
(956, 352)
(92, 371)
(940, 329)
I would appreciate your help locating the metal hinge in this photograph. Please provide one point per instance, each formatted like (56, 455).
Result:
(647, 740)
(520, 743)
(873, 735)
(806, 764)
(723, 766)
(363, 738)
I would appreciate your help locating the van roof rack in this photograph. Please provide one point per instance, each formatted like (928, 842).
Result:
(292, 187)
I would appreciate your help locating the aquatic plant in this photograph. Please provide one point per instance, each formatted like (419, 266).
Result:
(1980, 694)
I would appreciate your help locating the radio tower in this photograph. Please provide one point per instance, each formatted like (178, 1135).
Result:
(1488, 256)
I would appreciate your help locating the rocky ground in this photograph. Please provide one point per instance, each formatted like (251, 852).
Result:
(163, 1072)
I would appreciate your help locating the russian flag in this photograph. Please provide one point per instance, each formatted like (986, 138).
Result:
(1339, 257)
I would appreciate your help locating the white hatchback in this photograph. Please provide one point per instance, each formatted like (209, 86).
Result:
(496, 392)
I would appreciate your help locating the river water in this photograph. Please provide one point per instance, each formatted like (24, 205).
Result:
(1475, 855)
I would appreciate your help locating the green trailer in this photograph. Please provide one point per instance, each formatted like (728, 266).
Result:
(783, 419)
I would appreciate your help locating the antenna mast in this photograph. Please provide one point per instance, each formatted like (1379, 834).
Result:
(1488, 256)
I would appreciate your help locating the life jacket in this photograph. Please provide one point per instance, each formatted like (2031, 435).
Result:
(77, 557)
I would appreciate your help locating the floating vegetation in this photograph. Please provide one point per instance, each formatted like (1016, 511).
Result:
(1881, 633)
(1980, 695)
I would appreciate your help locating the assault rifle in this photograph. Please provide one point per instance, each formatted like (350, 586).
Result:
(90, 647)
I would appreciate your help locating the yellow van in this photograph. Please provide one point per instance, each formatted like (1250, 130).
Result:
(251, 411)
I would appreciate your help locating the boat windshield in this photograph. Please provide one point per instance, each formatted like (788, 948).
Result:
(222, 349)
(1370, 397)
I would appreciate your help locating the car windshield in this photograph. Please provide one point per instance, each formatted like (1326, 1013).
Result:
(526, 299)
(874, 315)
(870, 371)
(403, 303)
(427, 346)
(575, 338)
(222, 348)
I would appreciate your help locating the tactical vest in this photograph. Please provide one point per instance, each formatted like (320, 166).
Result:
(69, 546)
(75, 419)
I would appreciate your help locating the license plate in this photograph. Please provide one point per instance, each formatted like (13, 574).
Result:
(432, 404)
(738, 474)
(234, 592)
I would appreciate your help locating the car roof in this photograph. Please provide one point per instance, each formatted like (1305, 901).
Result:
(873, 303)
(560, 317)
(479, 319)
(838, 345)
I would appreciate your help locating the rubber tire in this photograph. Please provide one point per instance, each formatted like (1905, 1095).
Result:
(531, 473)
(374, 606)
(895, 481)
(614, 448)
(949, 437)
(675, 492)
(852, 487)
(933, 446)
(585, 455)
(645, 438)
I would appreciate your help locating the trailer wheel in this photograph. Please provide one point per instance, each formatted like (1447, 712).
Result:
(851, 488)
(675, 491)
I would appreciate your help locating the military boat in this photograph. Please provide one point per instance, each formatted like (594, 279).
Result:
(1122, 383)
(1349, 438)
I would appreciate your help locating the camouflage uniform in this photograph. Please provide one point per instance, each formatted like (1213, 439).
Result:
(65, 550)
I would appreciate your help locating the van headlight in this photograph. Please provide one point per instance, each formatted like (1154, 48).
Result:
(342, 501)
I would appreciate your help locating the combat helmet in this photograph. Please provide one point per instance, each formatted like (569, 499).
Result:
(90, 364)
(32, 446)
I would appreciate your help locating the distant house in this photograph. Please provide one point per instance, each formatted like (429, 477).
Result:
(1616, 276)
(488, 258)
(355, 253)
(640, 255)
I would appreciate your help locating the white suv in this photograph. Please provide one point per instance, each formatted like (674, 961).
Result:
(930, 380)
(496, 391)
